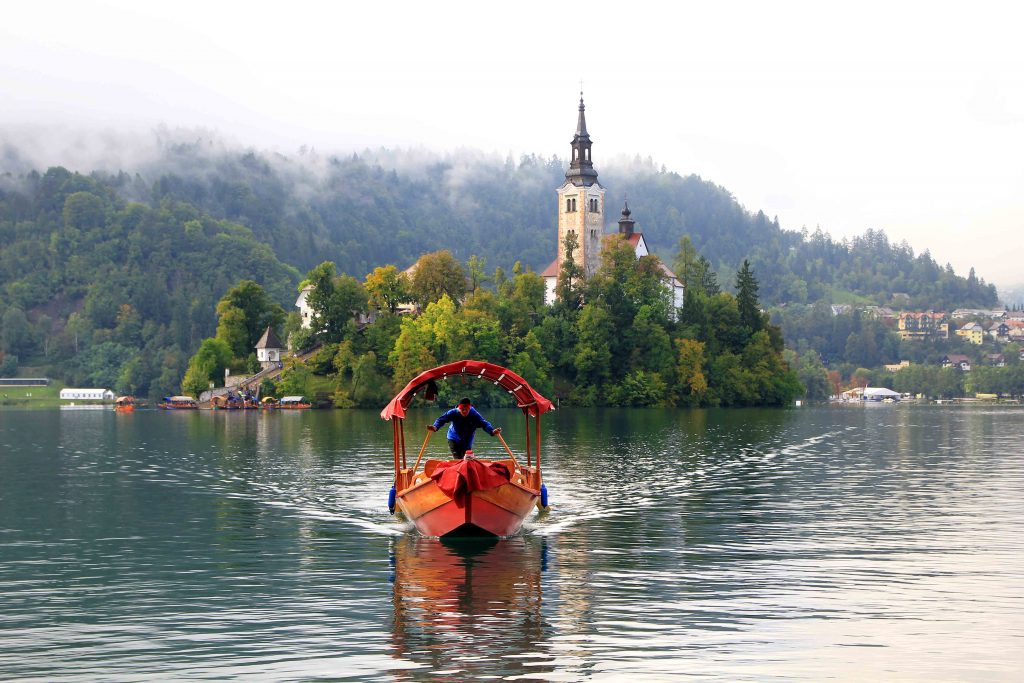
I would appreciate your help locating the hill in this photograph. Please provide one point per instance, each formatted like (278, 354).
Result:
(111, 277)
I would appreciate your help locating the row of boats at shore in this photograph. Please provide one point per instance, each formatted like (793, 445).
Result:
(127, 404)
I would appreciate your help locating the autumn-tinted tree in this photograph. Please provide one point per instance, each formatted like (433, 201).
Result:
(438, 274)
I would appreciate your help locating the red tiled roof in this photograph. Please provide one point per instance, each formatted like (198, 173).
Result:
(551, 270)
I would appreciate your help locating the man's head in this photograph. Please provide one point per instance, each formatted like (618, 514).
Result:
(464, 406)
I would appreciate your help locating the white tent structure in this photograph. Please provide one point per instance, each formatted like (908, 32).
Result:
(879, 394)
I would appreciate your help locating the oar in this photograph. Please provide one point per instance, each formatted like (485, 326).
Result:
(502, 439)
(422, 448)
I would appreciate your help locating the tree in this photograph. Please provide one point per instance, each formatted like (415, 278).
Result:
(17, 334)
(477, 274)
(336, 301)
(686, 263)
(387, 288)
(257, 312)
(570, 275)
(746, 298)
(438, 274)
(206, 366)
(691, 383)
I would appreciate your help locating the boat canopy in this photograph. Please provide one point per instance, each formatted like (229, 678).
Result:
(180, 399)
(292, 399)
(269, 399)
(125, 399)
(526, 398)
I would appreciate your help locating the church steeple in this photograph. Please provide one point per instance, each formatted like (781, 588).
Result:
(626, 223)
(581, 169)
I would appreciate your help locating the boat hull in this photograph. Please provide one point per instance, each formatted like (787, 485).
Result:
(495, 512)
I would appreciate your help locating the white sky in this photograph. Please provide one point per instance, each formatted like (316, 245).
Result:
(902, 116)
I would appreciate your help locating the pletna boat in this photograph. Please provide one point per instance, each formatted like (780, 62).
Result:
(179, 403)
(124, 404)
(470, 497)
(294, 403)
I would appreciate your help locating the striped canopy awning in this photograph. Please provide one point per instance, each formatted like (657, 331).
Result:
(526, 398)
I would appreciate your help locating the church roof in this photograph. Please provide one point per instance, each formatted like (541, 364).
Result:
(269, 340)
(551, 270)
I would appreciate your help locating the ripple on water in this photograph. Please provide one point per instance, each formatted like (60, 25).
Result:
(810, 544)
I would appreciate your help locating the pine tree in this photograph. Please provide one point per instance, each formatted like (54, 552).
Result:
(570, 275)
(746, 298)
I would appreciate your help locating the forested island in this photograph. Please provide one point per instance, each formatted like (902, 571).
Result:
(113, 279)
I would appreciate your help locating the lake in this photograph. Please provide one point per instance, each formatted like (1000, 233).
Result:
(880, 542)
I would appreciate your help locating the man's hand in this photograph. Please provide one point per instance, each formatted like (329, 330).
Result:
(497, 430)
(431, 428)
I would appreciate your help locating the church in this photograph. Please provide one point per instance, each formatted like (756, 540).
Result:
(581, 210)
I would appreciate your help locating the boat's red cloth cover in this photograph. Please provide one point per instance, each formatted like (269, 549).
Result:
(456, 478)
(526, 398)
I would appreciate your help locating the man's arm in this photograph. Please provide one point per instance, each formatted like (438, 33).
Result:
(445, 418)
(484, 424)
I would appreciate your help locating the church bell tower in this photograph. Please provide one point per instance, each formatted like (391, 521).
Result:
(581, 202)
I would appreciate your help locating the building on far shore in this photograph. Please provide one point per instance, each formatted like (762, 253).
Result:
(70, 394)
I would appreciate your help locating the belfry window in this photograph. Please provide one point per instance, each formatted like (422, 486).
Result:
(570, 204)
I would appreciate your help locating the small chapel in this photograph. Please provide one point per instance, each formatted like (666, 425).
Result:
(581, 210)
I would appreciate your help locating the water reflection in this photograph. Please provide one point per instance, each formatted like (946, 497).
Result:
(470, 607)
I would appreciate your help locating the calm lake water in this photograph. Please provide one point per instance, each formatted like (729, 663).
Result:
(845, 543)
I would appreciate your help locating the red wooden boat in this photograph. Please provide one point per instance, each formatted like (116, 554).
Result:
(471, 497)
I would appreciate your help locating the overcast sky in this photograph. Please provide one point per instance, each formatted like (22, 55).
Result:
(903, 116)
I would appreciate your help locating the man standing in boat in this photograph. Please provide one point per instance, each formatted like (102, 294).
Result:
(464, 420)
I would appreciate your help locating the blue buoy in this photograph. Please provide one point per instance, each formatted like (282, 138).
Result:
(543, 496)
(391, 500)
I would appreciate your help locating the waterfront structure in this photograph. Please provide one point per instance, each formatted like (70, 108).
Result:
(71, 394)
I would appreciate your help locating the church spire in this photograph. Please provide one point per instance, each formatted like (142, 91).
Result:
(626, 224)
(581, 169)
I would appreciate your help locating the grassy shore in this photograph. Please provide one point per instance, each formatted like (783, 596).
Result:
(31, 397)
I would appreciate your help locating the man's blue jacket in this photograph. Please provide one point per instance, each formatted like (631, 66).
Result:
(461, 429)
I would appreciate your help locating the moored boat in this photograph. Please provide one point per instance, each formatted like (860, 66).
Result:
(124, 404)
(294, 403)
(470, 497)
(268, 403)
(179, 403)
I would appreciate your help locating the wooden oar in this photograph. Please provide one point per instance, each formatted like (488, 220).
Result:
(422, 448)
(502, 439)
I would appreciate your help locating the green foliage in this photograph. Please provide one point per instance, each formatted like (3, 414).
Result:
(746, 298)
(436, 275)
(87, 268)
(336, 302)
(253, 311)
(387, 288)
(206, 366)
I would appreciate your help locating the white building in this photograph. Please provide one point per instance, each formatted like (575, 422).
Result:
(86, 395)
(268, 349)
(303, 305)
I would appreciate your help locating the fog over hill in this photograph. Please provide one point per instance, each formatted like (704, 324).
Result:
(390, 205)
